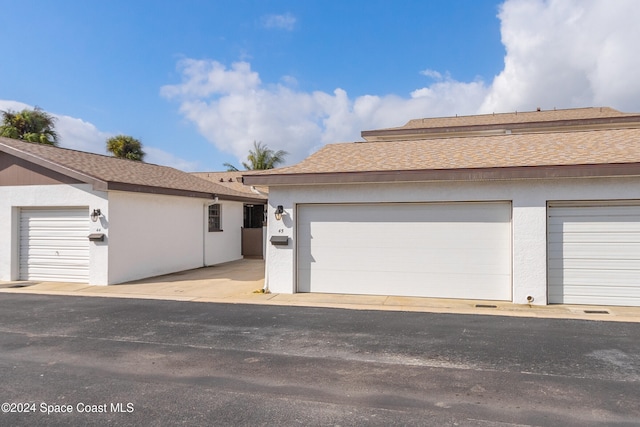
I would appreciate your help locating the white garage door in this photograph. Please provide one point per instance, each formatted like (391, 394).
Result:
(54, 245)
(452, 250)
(594, 254)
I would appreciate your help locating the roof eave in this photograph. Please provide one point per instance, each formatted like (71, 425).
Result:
(463, 174)
(135, 188)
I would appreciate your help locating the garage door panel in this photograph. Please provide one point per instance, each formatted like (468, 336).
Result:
(594, 254)
(573, 278)
(603, 237)
(592, 227)
(475, 232)
(404, 283)
(596, 299)
(600, 296)
(438, 250)
(68, 275)
(611, 291)
(584, 264)
(383, 258)
(592, 250)
(54, 244)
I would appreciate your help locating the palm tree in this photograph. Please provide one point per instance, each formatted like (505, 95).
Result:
(125, 147)
(260, 158)
(29, 125)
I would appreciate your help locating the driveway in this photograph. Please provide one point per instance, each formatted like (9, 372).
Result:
(239, 282)
(97, 361)
(229, 281)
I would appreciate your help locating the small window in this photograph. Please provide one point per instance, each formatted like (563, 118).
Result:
(215, 223)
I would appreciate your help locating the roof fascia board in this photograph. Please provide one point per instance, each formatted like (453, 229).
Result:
(257, 201)
(134, 188)
(473, 174)
(97, 184)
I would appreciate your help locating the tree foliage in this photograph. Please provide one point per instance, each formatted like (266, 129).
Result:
(125, 147)
(260, 158)
(29, 125)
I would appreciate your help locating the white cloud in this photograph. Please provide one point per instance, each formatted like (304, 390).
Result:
(77, 134)
(435, 75)
(161, 157)
(232, 108)
(283, 22)
(80, 135)
(568, 53)
(559, 53)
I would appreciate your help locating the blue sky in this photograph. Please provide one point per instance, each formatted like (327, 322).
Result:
(198, 81)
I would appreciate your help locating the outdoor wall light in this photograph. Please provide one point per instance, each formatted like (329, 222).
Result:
(95, 214)
(279, 212)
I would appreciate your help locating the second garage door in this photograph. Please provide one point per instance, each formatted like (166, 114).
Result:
(449, 250)
(594, 253)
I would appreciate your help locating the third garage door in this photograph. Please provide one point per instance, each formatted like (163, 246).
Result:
(441, 250)
(594, 253)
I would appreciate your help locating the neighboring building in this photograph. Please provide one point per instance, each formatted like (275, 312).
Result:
(537, 207)
(72, 216)
(253, 227)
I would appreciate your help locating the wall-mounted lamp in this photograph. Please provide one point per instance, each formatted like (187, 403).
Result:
(215, 199)
(279, 212)
(95, 214)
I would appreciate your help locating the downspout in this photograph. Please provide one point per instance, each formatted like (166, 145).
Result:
(204, 233)
(266, 253)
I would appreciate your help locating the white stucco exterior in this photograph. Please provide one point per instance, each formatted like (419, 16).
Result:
(528, 198)
(226, 245)
(12, 198)
(145, 234)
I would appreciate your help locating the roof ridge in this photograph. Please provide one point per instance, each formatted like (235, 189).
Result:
(519, 112)
(106, 156)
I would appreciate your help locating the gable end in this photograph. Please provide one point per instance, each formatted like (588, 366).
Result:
(16, 171)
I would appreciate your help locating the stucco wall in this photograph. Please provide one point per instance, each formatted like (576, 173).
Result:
(12, 198)
(529, 200)
(145, 234)
(224, 246)
(151, 234)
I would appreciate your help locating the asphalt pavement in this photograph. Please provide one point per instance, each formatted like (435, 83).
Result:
(113, 361)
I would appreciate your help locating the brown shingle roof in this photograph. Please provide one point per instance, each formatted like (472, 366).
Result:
(516, 117)
(572, 120)
(110, 173)
(229, 180)
(598, 147)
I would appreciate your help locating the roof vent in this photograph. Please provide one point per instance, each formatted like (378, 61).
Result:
(221, 179)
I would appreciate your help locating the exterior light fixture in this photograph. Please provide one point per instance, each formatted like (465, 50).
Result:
(95, 214)
(279, 212)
